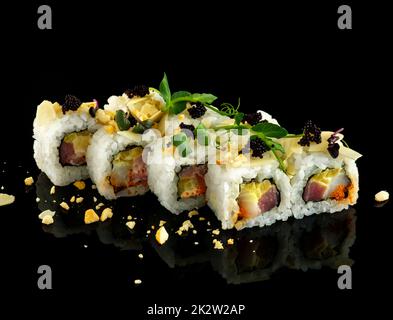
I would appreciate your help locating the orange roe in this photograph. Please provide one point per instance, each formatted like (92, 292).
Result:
(340, 192)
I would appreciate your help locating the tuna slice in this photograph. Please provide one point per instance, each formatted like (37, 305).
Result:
(329, 184)
(192, 181)
(128, 169)
(72, 150)
(256, 198)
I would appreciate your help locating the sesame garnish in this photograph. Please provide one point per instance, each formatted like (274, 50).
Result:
(140, 256)
(137, 281)
(72, 200)
(52, 190)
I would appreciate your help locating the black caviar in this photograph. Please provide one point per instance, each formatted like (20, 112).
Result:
(187, 128)
(70, 103)
(132, 120)
(252, 118)
(197, 110)
(257, 146)
(311, 133)
(137, 91)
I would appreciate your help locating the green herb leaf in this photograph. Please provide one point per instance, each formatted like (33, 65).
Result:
(239, 117)
(178, 107)
(203, 98)
(202, 136)
(138, 128)
(121, 120)
(184, 149)
(270, 130)
(165, 91)
(179, 139)
(180, 94)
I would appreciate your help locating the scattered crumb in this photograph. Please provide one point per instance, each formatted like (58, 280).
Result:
(218, 244)
(253, 251)
(194, 231)
(72, 200)
(129, 217)
(251, 241)
(93, 186)
(52, 190)
(47, 220)
(192, 213)
(140, 256)
(91, 216)
(107, 213)
(29, 181)
(185, 227)
(79, 199)
(98, 206)
(137, 281)
(85, 245)
(162, 235)
(196, 243)
(230, 241)
(37, 199)
(2, 187)
(80, 184)
(130, 224)
(148, 231)
(45, 213)
(216, 232)
(202, 218)
(94, 199)
(208, 229)
(382, 196)
(162, 222)
(65, 206)
(6, 199)
(208, 223)
(153, 227)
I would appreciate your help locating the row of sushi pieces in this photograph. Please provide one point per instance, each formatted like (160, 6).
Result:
(246, 167)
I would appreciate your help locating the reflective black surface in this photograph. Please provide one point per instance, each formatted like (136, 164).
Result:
(288, 59)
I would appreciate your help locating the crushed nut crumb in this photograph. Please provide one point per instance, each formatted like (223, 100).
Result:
(29, 181)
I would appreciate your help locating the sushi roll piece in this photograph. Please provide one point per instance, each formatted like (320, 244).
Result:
(321, 180)
(177, 166)
(62, 134)
(254, 193)
(115, 156)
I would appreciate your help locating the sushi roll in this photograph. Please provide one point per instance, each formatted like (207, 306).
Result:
(254, 193)
(176, 168)
(115, 156)
(62, 134)
(243, 189)
(321, 180)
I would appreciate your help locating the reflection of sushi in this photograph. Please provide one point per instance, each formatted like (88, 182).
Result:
(62, 134)
(323, 241)
(255, 255)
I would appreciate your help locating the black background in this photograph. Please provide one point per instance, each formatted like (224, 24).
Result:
(288, 59)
